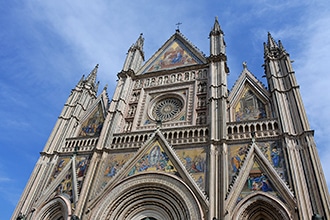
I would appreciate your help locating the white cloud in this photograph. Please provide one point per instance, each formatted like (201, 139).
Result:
(312, 70)
(4, 179)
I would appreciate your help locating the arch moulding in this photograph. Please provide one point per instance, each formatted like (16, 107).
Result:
(155, 195)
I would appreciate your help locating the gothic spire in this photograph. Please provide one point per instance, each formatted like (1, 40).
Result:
(139, 42)
(271, 42)
(216, 30)
(135, 55)
(217, 43)
(91, 78)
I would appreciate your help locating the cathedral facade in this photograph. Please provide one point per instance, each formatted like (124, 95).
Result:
(175, 143)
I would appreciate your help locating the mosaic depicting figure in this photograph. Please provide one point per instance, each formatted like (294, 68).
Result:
(81, 168)
(59, 167)
(272, 151)
(259, 183)
(65, 187)
(174, 56)
(114, 164)
(250, 107)
(237, 154)
(93, 125)
(62, 162)
(154, 160)
(195, 163)
(258, 179)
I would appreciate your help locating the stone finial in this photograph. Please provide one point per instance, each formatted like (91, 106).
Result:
(244, 65)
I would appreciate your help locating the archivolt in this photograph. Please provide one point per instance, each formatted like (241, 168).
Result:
(58, 208)
(261, 206)
(152, 195)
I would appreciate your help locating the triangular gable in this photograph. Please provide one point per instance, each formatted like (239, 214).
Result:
(176, 52)
(92, 121)
(156, 155)
(257, 181)
(256, 174)
(67, 178)
(248, 99)
(154, 159)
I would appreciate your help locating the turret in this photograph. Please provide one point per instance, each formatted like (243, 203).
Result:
(217, 43)
(298, 138)
(135, 55)
(218, 114)
(218, 81)
(75, 106)
(81, 97)
(118, 104)
(287, 102)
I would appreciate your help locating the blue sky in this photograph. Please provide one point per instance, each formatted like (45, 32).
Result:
(46, 46)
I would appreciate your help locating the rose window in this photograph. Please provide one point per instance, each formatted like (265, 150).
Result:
(167, 109)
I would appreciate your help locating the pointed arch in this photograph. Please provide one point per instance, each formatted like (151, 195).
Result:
(261, 206)
(58, 208)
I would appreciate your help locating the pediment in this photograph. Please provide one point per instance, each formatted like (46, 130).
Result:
(176, 52)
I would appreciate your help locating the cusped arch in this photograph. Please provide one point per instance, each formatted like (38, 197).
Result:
(153, 195)
(261, 206)
(58, 208)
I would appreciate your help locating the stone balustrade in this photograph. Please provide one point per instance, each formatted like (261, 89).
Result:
(260, 128)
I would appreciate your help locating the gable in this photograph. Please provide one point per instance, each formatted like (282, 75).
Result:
(155, 159)
(272, 151)
(176, 52)
(249, 99)
(249, 106)
(92, 124)
(67, 179)
(174, 55)
(154, 156)
(257, 172)
(257, 181)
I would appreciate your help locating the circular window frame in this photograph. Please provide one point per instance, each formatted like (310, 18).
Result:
(160, 100)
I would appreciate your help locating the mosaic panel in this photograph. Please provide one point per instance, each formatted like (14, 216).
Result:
(195, 162)
(82, 163)
(273, 151)
(257, 181)
(155, 159)
(65, 186)
(249, 107)
(173, 56)
(93, 125)
(113, 164)
(62, 162)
